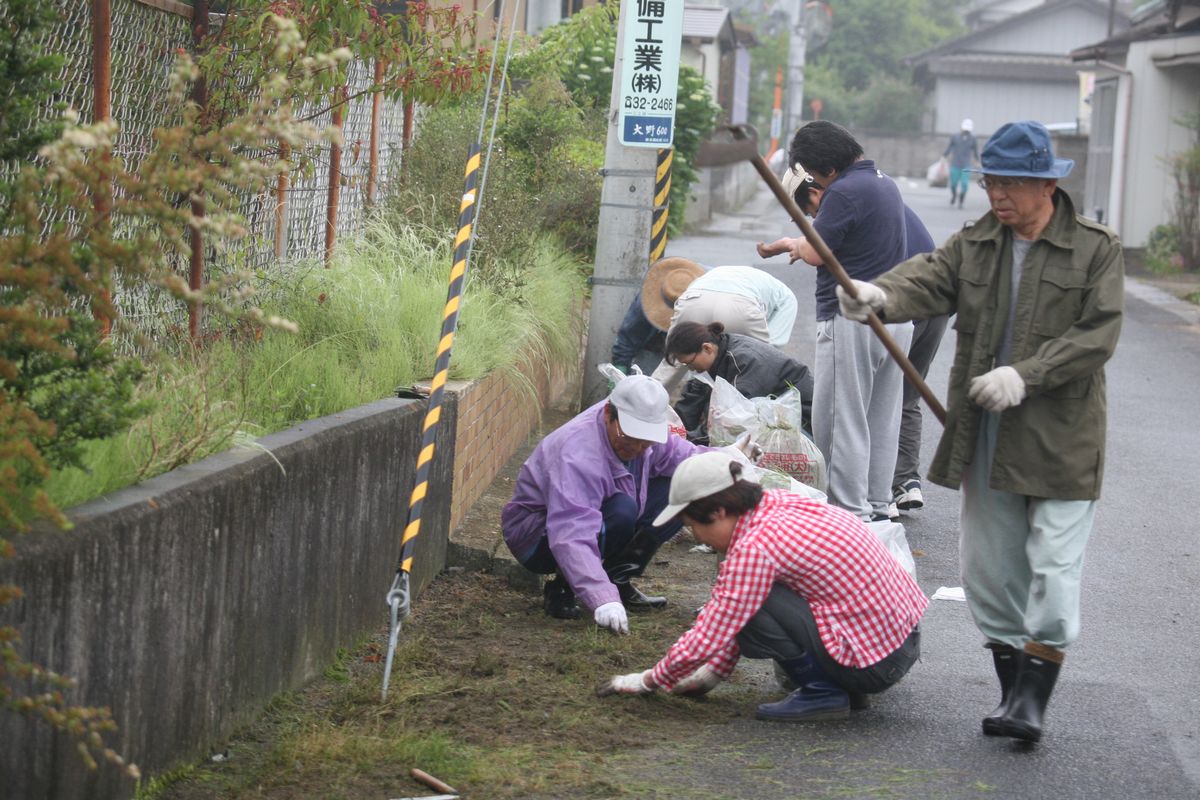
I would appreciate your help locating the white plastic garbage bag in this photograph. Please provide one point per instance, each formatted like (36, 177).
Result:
(893, 538)
(771, 479)
(775, 425)
(938, 174)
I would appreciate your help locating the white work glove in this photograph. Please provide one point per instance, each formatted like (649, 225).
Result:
(612, 616)
(633, 683)
(870, 298)
(997, 390)
(702, 681)
(744, 449)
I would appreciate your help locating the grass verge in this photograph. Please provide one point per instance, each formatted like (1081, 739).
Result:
(369, 323)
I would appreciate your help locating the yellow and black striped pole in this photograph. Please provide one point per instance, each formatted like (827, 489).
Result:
(662, 194)
(398, 598)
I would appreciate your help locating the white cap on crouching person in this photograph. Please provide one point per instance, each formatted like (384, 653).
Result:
(793, 179)
(968, 125)
(697, 477)
(641, 404)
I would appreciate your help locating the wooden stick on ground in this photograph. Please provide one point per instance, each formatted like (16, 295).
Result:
(432, 782)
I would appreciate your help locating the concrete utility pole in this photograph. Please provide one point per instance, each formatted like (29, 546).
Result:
(795, 79)
(623, 240)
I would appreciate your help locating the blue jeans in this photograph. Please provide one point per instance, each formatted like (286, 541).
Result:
(621, 522)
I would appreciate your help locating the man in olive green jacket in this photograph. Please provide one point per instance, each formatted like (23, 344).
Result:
(1038, 294)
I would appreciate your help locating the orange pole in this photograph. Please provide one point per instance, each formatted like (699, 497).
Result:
(776, 112)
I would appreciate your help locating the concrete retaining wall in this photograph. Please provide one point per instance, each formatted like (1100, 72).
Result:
(186, 603)
(495, 415)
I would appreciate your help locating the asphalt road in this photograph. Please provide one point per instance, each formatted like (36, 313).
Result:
(1123, 722)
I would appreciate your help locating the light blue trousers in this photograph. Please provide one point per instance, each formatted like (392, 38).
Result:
(1022, 556)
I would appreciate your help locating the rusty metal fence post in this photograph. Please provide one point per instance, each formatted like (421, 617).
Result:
(200, 95)
(376, 113)
(340, 99)
(101, 111)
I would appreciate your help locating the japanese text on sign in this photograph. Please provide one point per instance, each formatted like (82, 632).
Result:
(650, 49)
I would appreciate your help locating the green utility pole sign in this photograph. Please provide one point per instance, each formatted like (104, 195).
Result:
(650, 46)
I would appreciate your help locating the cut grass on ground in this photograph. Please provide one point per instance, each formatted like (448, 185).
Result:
(497, 700)
(488, 694)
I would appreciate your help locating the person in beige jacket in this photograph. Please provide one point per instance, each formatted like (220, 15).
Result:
(1038, 293)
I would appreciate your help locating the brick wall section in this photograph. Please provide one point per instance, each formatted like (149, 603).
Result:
(495, 415)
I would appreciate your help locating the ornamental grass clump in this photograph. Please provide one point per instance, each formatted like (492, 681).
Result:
(363, 327)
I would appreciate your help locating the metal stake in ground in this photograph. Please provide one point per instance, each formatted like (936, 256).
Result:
(744, 147)
(399, 599)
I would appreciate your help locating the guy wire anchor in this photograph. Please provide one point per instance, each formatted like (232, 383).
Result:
(399, 604)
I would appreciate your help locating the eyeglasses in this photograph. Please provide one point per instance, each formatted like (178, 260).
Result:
(993, 182)
(686, 362)
(628, 440)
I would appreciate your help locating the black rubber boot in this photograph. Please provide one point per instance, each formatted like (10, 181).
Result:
(633, 597)
(558, 600)
(953, 196)
(1004, 657)
(629, 563)
(1037, 672)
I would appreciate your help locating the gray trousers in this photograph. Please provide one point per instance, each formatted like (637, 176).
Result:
(926, 339)
(1022, 557)
(784, 629)
(856, 412)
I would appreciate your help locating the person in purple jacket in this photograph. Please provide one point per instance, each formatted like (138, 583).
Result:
(585, 499)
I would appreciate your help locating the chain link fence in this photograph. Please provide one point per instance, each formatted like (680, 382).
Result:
(146, 35)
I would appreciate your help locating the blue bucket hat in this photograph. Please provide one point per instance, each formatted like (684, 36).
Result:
(1022, 149)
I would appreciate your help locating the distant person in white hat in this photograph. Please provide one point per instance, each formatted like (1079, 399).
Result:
(803, 583)
(585, 500)
(962, 152)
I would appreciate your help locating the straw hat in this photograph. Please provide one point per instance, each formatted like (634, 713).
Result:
(665, 281)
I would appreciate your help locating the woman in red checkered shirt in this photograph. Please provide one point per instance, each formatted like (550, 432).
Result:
(803, 583)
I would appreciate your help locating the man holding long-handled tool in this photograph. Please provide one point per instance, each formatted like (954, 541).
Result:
(1038, 292)
(858, 392)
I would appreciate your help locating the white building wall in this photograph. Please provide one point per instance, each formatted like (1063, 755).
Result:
(541, 14)
(690, 55)
(741, 86)
(1159, 97)
(1058, 32)
(992, 103)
